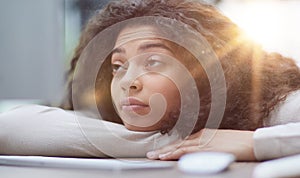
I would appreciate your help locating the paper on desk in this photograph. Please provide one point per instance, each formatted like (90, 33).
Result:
(82, 163)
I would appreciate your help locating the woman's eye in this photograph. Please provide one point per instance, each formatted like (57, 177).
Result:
(117, 68)
(153, 61)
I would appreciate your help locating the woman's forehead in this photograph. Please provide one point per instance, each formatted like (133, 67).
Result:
(136, 32)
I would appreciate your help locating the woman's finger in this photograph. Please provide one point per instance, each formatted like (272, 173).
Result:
(169, 148)
(172, 148)
(178, 153)
(192, 140)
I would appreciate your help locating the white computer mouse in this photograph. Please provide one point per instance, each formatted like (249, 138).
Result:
(205, 162)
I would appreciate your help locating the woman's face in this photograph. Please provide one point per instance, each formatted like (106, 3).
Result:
(143, 88)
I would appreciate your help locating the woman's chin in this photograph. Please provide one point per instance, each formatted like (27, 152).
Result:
(140, 129)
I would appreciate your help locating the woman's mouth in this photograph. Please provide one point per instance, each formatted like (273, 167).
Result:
(132, 104)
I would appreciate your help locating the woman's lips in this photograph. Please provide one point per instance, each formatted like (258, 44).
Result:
(133, 104)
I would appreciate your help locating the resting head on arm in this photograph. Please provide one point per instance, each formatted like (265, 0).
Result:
(252, 75)
(251, 79)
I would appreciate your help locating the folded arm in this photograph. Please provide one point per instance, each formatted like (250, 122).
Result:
(49, 131)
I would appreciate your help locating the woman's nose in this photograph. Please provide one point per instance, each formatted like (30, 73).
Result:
(132, 86)
(130, 81)
(135, 85)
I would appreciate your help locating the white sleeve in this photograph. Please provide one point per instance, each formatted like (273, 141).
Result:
(277, 141)
(281, 137)
(49, 131)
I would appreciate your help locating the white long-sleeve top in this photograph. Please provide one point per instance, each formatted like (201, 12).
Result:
(49, 131)
(281, 135)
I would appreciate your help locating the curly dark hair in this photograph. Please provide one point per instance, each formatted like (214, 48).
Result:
(256, 80)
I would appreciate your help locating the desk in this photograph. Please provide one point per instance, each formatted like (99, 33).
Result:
(236, 170)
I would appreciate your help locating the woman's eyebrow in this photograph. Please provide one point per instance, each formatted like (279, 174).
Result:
(144, 47)
(118, 50)
(147, 46)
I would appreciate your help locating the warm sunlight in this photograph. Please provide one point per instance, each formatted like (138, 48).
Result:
(260, 21)
(272, 23)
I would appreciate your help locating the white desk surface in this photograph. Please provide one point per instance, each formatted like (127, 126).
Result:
(236, 170)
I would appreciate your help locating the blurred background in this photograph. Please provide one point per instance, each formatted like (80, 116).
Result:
(38, 37)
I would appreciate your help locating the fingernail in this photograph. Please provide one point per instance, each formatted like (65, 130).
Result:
(152, 155)
(161, 156)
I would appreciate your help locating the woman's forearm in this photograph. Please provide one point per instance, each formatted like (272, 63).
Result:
(41, 130)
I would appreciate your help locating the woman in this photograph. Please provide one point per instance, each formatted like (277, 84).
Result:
(259, 85)
(257, 82)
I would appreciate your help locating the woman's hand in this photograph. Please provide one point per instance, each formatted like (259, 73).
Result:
(237, 142)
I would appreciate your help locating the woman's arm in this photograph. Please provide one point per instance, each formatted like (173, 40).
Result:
(49, 131)
(277, 141)
(40, 130)
(265, 143)
(237, 142)
(281, 138)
